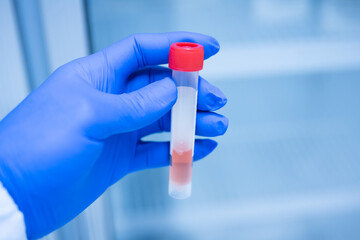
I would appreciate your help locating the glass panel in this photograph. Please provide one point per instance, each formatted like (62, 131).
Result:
(228, 21)
(13, 84)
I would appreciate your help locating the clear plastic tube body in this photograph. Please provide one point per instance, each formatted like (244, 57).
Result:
(183, 118)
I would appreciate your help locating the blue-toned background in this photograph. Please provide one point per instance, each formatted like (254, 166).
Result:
(289, 165)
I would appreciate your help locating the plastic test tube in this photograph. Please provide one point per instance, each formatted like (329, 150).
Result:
(186, 60)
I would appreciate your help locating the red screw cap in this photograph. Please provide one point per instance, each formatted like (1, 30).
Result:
(186, 56)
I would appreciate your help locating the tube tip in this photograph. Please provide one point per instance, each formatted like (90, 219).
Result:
(179, 191)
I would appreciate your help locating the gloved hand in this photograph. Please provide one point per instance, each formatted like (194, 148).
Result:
(80, 131)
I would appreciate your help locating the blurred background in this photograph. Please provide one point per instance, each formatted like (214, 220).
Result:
(289, 165)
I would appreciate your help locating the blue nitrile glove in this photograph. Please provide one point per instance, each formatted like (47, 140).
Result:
(79, 132)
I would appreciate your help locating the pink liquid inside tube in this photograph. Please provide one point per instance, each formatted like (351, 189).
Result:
(181, 167)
